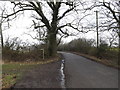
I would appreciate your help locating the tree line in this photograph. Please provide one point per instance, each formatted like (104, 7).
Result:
(88, 47)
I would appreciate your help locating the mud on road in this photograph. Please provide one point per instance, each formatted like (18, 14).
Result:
(43, 76)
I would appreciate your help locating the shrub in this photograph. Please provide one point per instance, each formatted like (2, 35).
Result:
(12, 51)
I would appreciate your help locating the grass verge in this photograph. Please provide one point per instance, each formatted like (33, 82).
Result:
(13, 71)
(103, 61)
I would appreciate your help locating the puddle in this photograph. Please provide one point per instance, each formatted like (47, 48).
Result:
(63, 75)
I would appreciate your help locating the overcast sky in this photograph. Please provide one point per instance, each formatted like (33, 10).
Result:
(21, 25)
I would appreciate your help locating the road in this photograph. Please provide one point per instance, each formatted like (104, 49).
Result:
(83, 73)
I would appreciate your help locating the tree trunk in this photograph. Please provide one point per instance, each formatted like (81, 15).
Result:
(1, 35)
(52, 45)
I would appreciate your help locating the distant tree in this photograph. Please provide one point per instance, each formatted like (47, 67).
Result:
(2, 20)
(80, 45)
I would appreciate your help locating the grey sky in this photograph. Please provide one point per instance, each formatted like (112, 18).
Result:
(21, 25)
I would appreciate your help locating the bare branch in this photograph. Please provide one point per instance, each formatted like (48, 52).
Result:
(65, 33)
(63, 26)
(34, 37)
(67, 11)
(112, 11)
(17, 12)
(39, 11)
(60, 40)
(37, 26)
(51, 5)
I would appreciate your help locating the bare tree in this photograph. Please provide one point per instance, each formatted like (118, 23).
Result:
(114, 9)
(1, 22)
(111, 10)
(52, 21)
(6, 21)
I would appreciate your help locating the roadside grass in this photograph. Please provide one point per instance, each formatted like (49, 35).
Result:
(13, 71)
(114, 49)
(110, 63)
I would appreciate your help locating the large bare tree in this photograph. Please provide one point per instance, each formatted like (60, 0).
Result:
(51, 21)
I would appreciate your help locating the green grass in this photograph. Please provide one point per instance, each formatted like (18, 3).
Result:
(11, 72)
(114, 49)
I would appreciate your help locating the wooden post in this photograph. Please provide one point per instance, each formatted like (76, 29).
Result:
(97, 28)
(97, 33)
(43, 53)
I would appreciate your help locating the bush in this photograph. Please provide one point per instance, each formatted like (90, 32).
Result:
(12, 51)
(93, 51)
(102, 50)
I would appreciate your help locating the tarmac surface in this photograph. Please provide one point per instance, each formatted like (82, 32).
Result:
(83, 73)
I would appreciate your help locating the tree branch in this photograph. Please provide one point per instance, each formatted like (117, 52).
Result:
(50, 5)
(63, 26)
(67, 11)
(17, 12)
(65, 33)
(112, 11)
(39, 11)
(60, 40)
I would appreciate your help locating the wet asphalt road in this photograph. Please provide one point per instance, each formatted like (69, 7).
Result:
(83, 73)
